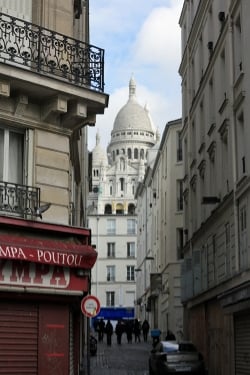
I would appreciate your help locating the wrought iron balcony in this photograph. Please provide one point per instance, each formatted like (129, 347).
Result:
(49, 53)
(18, 200)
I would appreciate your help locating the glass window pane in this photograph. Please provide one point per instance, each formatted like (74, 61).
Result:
(15, 158)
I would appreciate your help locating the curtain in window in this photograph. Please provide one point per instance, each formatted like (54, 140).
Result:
(15, 158)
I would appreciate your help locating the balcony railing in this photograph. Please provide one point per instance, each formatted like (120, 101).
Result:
(18, 200)
(49, 53)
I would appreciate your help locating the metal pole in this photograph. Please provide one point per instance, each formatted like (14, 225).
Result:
(88, 347)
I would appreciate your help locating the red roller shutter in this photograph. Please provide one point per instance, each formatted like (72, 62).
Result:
(18, 339)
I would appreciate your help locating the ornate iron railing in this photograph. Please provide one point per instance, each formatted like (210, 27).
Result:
(50, 53)
(20, 200)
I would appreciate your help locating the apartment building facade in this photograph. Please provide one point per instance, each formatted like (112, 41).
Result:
(215, 274)
(160, 235)
(51, 88)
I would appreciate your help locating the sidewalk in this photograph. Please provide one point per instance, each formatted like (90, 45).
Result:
(124, 359)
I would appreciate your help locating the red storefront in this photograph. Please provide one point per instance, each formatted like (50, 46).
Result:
(44, 274)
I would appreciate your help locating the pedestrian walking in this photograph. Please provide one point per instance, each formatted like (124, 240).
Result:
(109, 332)
(137, 330)
(129, 331)
(145, 330)
(119, 332)
(101, 330)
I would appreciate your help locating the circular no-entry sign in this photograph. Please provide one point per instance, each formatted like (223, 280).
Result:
(90, 306)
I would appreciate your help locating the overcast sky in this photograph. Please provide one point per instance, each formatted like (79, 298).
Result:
(140, 38)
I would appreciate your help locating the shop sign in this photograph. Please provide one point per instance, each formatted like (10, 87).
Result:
(83, 257)
(26, 274)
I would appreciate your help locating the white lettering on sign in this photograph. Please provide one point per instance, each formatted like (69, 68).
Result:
(43, 256)
(56, 257)
(12, 252)
(33, 274)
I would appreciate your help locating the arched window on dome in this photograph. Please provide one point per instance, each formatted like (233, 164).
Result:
(129, 153)
(117, 152)
(123, 151)
(131, 209)
(108, 209)
(113, 155)
(142, 154)
(136, 153)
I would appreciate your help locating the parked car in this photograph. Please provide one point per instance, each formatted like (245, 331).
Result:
(172, 357)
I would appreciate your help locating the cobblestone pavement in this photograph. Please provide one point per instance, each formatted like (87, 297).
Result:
(124, 359)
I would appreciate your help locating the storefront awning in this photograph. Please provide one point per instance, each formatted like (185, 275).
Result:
(53, 252)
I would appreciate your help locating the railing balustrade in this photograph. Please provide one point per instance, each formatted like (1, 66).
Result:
(19, 200)
(49, 53)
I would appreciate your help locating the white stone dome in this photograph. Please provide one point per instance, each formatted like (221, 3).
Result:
(99, 155)
(132, 115)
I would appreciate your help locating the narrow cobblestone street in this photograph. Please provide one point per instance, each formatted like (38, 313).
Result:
(124, 359)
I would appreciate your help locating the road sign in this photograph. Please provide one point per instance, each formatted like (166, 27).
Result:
(90, 306)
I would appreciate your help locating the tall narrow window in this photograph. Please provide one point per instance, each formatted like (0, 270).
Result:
(122, 184)
(131, 226)
(241, 160)
(11, 156)
(211, 104)
(130, 249)
(237, 47)
(179, 147)
(110, 273)
(243, 237)
(179, 195)
(179, 236)
(130, 273)
(111, 249)
(111, 226)
(110, 299)
(223, 77)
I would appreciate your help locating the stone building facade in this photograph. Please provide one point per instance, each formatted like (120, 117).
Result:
(160, 235)
(50, 90)
(215, 81)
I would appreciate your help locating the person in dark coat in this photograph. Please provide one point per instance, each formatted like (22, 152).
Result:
(137, 330)
(119, 332)
(109, 332)
(101, 329)
(129, 331)
(145, 330)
